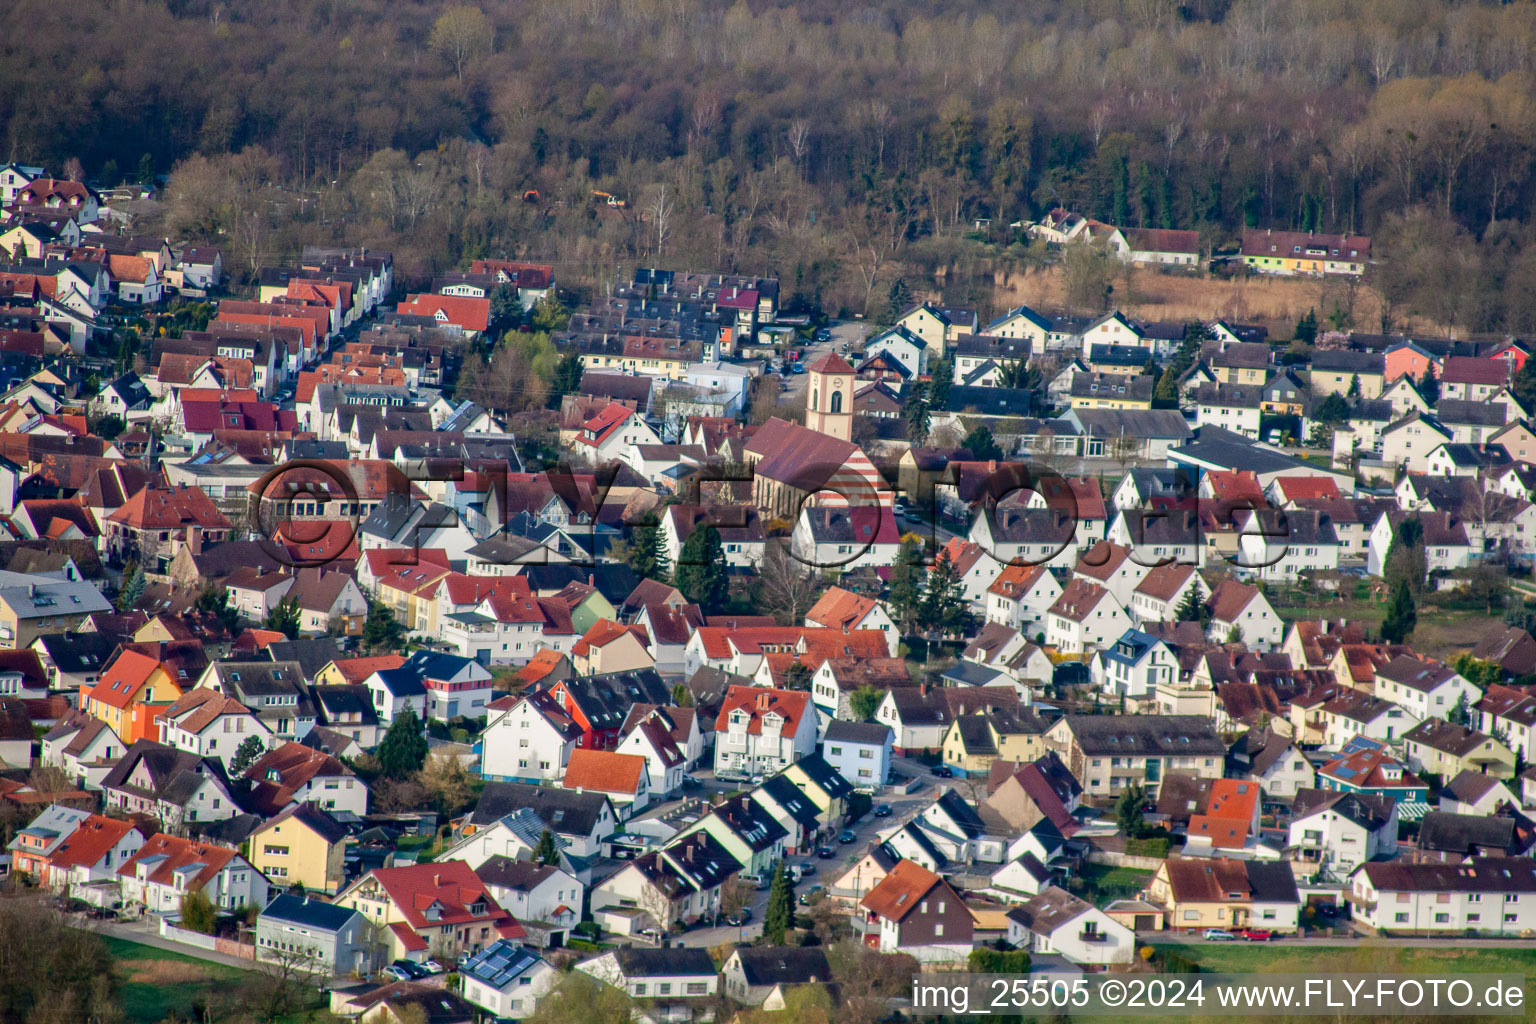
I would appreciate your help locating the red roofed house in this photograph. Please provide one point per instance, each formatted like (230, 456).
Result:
(470, 315)
(1284, 489)
(761, 730)
(623, 778)
(610, 434)
(1085, 617)
(294, 773)
(430, 909)
(663, 737)
(610, 647)
(166, 868)
(152, 526)
(1231, 818)
(132, 691)
(1473, 379)
(914, 911)
(207, 723)
(58, 195)
(844, 610)
(64, 846)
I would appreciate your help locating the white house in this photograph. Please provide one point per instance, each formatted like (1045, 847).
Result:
(1133, 666)
(652, 738)
(1084, 618)
(1334, 833)
(859, 751)
(1162, 592)
(1021, 596)
(1284, 545)
(1056, 922)
(1487, 895)
(1425, 687)
(609, 434)
(209, 724)
(528, 738)
(507, 980)
(656, 974)
(166, 868)
(545, 899)
(1244, 607)
(845, 610)
(761, 730)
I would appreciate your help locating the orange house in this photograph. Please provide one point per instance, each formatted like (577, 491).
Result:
(132, 690)
(1406, 357)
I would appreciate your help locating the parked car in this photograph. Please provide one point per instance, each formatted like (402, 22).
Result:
(806, 868)
(913, 516)
(825, 334)
(812, 893)
(395, 973)
(742, 916)
(1257, 934)
(882, 810)
(756, 881)
(944, 771)
(1217, 935)
(825, 852)
(796, 368)
(847, 836)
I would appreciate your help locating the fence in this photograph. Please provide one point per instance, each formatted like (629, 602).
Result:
(188, 937)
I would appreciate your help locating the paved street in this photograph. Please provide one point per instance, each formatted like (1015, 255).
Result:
(903, 806)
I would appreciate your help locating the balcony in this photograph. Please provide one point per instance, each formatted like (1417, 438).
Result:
(1092, 936)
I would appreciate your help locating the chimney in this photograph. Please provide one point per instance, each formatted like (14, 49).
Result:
(437, 881)
(991, 465)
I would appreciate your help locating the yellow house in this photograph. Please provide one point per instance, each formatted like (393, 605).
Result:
(610, 647)
(1217, 892)
(822, 785)
(301, 844)
(1447, 750)
(132, 690)
(973, 742)
(355, 671)
(1303, 252)
(1112, 391)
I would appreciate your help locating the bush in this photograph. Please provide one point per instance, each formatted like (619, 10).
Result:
(198, 913)
(998, 961)
(589, 929)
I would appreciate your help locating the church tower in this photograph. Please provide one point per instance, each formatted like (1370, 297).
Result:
(829, 401)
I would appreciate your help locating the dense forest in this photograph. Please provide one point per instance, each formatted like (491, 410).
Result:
(835, 145)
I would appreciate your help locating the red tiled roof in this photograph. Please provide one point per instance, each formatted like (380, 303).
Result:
(901, 890)
(157, 509)
(605, 632)
(123, 678)
(452, 885)
(604, 770)
(469, 313)
(758, 701)
(357, 670)
(1307, 487)
(840, 609)
(1474, 370)
(295, 765)
(179, 853)
(90, 842)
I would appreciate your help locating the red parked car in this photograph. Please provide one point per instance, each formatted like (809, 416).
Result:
(1256, 934)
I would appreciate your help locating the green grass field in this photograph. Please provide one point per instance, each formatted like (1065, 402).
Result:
(1278, 957)
(157, 982)
(1103, 883)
